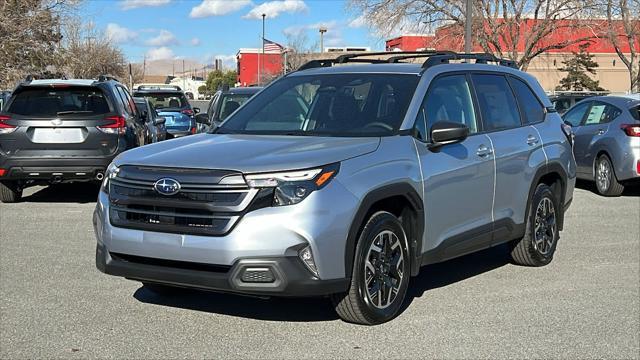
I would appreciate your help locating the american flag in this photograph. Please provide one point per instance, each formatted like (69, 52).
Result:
(271, 45)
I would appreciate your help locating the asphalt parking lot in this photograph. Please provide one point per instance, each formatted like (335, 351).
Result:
(586, 304)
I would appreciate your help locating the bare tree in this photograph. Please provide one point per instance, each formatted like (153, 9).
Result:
(31, 37)
(516, 29)
(299, 49)
(623, 30)
(88, 53)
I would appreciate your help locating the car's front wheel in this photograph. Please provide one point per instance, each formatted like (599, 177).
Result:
(606, 180)
(380, 275)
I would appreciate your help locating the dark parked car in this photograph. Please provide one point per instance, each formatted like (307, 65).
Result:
(223, 104)
(57, 130)
(4, 97)
(607, 141)
(172, 104)
(563, 100)
(154, 124)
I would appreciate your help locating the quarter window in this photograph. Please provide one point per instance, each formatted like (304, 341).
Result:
(497, 103)
(532, 109)
(448, 99)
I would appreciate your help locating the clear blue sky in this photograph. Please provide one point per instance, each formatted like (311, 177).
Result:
(200, 30)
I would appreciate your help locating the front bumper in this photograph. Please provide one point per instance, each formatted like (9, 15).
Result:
(271, 234)
(285, 276)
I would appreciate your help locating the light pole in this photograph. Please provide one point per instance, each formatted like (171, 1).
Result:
(322, 31)
(261, 63)
(468, 26)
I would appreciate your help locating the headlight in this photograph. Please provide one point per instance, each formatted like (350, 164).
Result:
(291, 187)
(112, 171)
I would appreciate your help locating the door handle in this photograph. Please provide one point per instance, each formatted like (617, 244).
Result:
(532, 140)
(601, 131)
(483, 151)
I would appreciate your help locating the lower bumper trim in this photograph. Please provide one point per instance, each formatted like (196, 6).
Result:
(291, 278)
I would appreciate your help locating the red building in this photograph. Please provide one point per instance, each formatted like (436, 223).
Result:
(451, 38)
(249, 62)
(410, 43)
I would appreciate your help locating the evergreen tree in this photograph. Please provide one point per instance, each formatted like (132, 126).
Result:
(577, 68)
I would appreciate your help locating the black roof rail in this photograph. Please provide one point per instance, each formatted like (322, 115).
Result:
(480, 58)
(429, 53)
(434, 57)
(102, 78)
(353, 58)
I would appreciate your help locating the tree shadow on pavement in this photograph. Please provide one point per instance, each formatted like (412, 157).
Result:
(591, 186)
(320, 309)
(65, 193)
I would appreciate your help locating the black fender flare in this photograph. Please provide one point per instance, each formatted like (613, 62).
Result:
(415, 242)
(550, 168)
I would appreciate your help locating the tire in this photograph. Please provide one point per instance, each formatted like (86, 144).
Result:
(536, 248)
(162, 290)
(605, 176)
(10, 193)
(357, 305)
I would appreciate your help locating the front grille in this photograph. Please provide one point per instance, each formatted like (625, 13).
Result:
(201, 207)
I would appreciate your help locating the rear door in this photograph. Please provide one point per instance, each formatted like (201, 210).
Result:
(514, 144)
(60, 121)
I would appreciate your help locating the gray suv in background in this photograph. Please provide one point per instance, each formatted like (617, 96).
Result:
(607, 141)
(64, 130)
(372, 171)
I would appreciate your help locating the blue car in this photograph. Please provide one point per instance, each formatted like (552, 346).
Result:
(170, 103)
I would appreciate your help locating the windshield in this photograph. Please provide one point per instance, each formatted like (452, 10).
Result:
(47, 102)
(166, 100)
(230, 102)
(332, 105)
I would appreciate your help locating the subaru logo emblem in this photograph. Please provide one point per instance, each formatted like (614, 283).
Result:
(167, 186)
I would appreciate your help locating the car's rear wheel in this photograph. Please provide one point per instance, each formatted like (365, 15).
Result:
(10, 192)
(380, 275)
(541, 236)
(606, 181)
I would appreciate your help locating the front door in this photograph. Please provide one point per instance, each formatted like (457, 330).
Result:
(458, 179)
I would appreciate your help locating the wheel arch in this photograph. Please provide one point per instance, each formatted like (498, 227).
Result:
(554, 176)
(400, 199)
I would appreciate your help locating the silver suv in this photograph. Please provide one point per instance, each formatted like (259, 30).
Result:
(343, 180)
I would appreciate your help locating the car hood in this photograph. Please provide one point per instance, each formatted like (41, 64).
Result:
(248, 153)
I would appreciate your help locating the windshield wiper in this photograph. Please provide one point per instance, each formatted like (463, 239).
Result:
(73, 112)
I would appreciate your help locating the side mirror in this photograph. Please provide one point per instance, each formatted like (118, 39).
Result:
(159, 121)
(447, 132)
(202, 118)
(196, 110)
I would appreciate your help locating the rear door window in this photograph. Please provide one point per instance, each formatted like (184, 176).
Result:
(531, 108)
(497, 104)
(601, 113)
(67, 101)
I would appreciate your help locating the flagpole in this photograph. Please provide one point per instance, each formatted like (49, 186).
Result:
(262, 64)
(258, 69)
